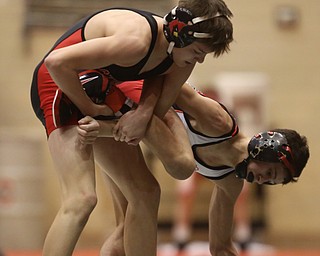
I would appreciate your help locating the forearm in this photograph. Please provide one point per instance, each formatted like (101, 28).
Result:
(172, 84)
(166, 100)
(150, 94)
(221, 224)
(68, 81)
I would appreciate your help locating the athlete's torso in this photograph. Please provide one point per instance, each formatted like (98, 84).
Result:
(197, 140)
(76, 34)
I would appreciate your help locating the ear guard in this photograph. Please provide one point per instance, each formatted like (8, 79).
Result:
(95, 84)
(178, 28)
(102, 90)
(267, 147)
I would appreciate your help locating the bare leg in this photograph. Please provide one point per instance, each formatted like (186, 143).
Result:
(175, 152)
(186, 192)
(114, 244)
(75, 169)
(125, 165)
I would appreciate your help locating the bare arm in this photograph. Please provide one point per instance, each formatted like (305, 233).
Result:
(175, 154)
(172, 84)
(65, 63)
(224, 196)
(132, 126)
(158, 95)
(211, 118)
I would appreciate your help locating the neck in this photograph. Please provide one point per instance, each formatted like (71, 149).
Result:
(229, 153)
(238, 149)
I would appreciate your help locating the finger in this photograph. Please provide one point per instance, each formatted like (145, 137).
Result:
(86, 127)
(87, 137)
(85, 120)
(92, 126)
(87, 140)
(116, 132)
(82, 131)
(84, 135)
(133, 142)
(122, 139)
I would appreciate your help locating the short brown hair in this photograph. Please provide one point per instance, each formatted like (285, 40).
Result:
(220, 28)
(299, 149)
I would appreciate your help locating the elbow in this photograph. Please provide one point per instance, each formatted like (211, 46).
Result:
(53, 61)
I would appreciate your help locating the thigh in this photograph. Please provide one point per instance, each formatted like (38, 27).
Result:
(125, 165)
(176, 153)
(50, 104)
(75, 167)
(120, 203)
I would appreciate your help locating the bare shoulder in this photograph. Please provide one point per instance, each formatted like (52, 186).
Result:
(129, 33)
(208, 116)
(117, 21)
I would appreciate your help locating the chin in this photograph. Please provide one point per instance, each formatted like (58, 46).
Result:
(180, 64)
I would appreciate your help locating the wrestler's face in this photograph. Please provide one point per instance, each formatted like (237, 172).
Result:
(190, 55)
(266, 172)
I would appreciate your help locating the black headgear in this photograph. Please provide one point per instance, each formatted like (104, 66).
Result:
(178, 28)
(267, 147)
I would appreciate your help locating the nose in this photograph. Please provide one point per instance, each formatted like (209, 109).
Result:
(261, 179)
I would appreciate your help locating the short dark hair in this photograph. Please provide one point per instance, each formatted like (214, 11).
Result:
(220, 28)
(299, 149)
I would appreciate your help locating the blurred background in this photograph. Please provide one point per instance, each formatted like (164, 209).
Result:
(270, 79)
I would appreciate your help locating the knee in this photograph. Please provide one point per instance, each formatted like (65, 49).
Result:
(148, 194)
(181, 168)
(80, 206)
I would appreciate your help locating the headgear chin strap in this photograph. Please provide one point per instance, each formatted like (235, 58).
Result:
(178, 28)
(267, 147)
(241, 169)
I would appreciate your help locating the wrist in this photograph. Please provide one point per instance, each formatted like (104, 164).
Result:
(106, 128)
(144, 112)
(92, 110)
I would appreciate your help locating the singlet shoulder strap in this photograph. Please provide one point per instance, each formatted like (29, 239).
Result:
(135, 69)
(161, 68)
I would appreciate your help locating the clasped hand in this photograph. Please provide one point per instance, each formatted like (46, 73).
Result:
(88, 131)
(131, 128)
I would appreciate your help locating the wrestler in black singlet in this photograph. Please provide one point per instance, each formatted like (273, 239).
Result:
(43, 88)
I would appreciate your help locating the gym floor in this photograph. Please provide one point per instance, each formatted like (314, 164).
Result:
(279, 246)
(271, 246)
(194, 253)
